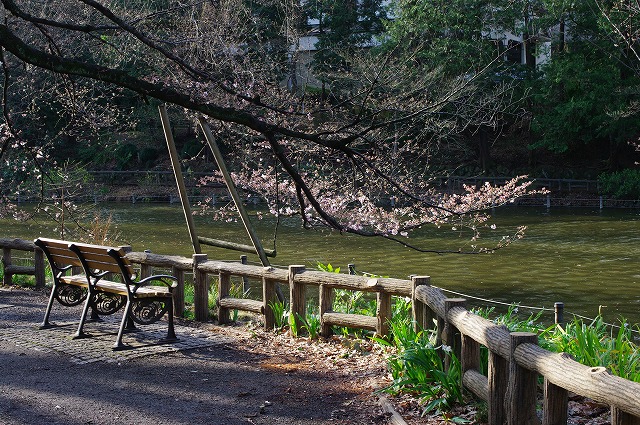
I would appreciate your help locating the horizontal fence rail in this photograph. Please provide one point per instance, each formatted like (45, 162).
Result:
(10, 269)
(515, 361)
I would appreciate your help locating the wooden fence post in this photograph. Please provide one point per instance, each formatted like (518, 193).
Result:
(145, 269)
(245, 281)
(470, 355)
(620, 417)
(555, 405)
(498, 379)
(269, 296)
(224, 290)
(422, 314)
(38, 257)
(523, 385)
(200, 289)
(383, 313)
(297, 295)
(451, 335)
(178, 293)
(6, 262)
(326, 305)
(559, 313)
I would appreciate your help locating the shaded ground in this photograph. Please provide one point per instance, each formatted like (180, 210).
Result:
(214, 375)
(232, 381)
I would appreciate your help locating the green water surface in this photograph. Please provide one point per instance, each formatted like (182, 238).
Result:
(586, 259)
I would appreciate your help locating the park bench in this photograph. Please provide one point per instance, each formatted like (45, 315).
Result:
(145, 301)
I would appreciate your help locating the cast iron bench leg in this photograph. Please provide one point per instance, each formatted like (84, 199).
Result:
(171, 333)
(83, 318)
(123, 324)
(45, 322)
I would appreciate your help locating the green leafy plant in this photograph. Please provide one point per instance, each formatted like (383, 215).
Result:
(280, 314)
(512, 320)
(594, 343)
(419, 368)
(597, 344)
(21, 280)
(293, 325)
(311, 322)
(402, 334)
(327, 267)
(212, 296)
(350, 302)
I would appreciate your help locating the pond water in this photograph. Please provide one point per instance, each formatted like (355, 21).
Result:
(587, 259)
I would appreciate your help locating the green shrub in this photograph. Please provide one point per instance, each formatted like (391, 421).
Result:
(624, 184)
(592, 344)
(417, 366)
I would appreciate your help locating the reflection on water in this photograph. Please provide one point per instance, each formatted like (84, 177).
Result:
(583, 258)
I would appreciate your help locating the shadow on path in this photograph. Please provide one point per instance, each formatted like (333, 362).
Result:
(208, 379)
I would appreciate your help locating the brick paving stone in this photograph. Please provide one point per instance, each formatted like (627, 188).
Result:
(21, 327)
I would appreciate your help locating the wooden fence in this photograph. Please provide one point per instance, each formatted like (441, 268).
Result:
(515, 361)
(10, 268)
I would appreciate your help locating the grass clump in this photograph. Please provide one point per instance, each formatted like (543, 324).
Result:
(417, 367)
(598, 344)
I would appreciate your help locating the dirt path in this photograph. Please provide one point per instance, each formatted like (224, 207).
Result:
(243, 377)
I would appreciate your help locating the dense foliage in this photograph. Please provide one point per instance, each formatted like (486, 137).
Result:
(350, 129)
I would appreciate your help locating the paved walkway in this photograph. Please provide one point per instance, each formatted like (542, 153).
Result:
(206, 378)
(102, 337)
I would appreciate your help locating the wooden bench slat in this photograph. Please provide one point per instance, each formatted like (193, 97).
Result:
(142, 292)
(76, 279)
(103, 266)
(97, 257)
(59, 252)
(63, 255)
(117, 287)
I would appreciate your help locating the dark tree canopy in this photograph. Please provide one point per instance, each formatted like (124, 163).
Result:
(331, 163)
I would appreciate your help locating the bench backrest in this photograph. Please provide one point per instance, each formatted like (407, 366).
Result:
(58, 252)
(104, 258)
(96, 257)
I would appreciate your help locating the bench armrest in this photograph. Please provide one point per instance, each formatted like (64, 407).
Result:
(63, 269)
(158, 278)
